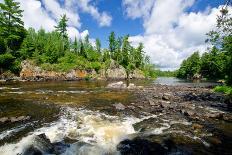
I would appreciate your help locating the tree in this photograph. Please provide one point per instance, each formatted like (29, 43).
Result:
(75, 45)
(11, 25)
(98, 45)
(221, 38)
(190, 66)
(139, 53)
(112, 44)
(62, 26)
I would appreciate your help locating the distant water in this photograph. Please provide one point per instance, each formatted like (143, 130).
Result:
(172, 81)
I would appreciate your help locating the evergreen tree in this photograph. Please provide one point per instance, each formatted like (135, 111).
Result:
(112, 44)
(62, 26)
(11, 25)
(98, 45)
(75, 45)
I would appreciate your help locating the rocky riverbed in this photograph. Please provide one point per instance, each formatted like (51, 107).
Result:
(115, 118)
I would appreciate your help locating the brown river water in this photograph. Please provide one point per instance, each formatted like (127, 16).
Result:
(73, 115)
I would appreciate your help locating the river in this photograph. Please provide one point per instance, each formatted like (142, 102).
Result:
(78, 117)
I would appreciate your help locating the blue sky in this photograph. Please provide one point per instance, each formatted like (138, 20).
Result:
(122, 25)
(170, 30)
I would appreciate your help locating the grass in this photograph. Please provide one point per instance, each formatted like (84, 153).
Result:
(224, 89)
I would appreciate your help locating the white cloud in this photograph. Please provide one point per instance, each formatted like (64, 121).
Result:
(104, 19)
(171, 34)
(46, 13)
(35, 16)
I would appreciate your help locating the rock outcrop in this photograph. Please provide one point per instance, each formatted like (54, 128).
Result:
(31, 72)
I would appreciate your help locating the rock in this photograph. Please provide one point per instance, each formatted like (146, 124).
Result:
(227, 117)
(166, 96)
(139, 147)
(165, 104)
(137, 74)
(131, 86)
(115, 71)
(4, 119)
(196, 126)
(31, 150)
(151, 102)
(187, 112)
(119, 84)
(119, 106)
(20, 118)
(214, 115)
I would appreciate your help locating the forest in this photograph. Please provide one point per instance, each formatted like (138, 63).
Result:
(216, 63)
(56, 51)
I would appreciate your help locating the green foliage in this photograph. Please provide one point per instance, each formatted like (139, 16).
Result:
(212, 65)
(98, 45)
(55, 51)
(224, 89)
(190, 66)
(165, 73)
(11, 26)
(222, 39)
(62, 26)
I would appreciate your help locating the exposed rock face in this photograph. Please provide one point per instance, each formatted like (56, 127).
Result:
(115, 71)
(137, 74)
(32, 72)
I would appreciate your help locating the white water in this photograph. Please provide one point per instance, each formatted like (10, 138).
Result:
(96, 133)
(102, 132)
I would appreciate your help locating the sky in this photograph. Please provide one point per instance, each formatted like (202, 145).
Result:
(170, 30)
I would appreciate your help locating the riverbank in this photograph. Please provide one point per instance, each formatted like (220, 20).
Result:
(104, 117)
(31, 72)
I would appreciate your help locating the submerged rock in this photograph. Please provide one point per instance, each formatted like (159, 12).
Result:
(140, 147)
(119, 84)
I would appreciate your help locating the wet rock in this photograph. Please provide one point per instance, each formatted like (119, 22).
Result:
(151, 102)
(165, 104)
(196, 126)
(119, 106)
(187, 112)
(214, 115)
(140, 147)
(4, 120)
(119, 84)
(20, 118)
(166, 96)
(31, 150)
(227, 117)
(131, 86)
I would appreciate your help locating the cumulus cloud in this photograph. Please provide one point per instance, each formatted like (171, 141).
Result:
(104, 19)
(46, 13)
(171, 34)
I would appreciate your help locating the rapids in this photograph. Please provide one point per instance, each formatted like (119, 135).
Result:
(80, 118)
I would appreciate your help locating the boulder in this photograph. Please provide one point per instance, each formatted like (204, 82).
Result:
(140, 146)
(137, 74)
(4, 119)
(119, 106)
(119, 84)
(214, 115)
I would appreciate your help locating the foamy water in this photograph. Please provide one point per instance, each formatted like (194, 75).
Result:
(95, 133)
(102, 132)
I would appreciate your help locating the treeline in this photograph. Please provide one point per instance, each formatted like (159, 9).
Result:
(217, 62)
(56, 51)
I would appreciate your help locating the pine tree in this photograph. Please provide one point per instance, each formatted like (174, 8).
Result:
(62, 26)
(11, 24)
(98, 45)
(112, 44)
(75, 45)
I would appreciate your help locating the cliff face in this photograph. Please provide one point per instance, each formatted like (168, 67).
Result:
(35, 73)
